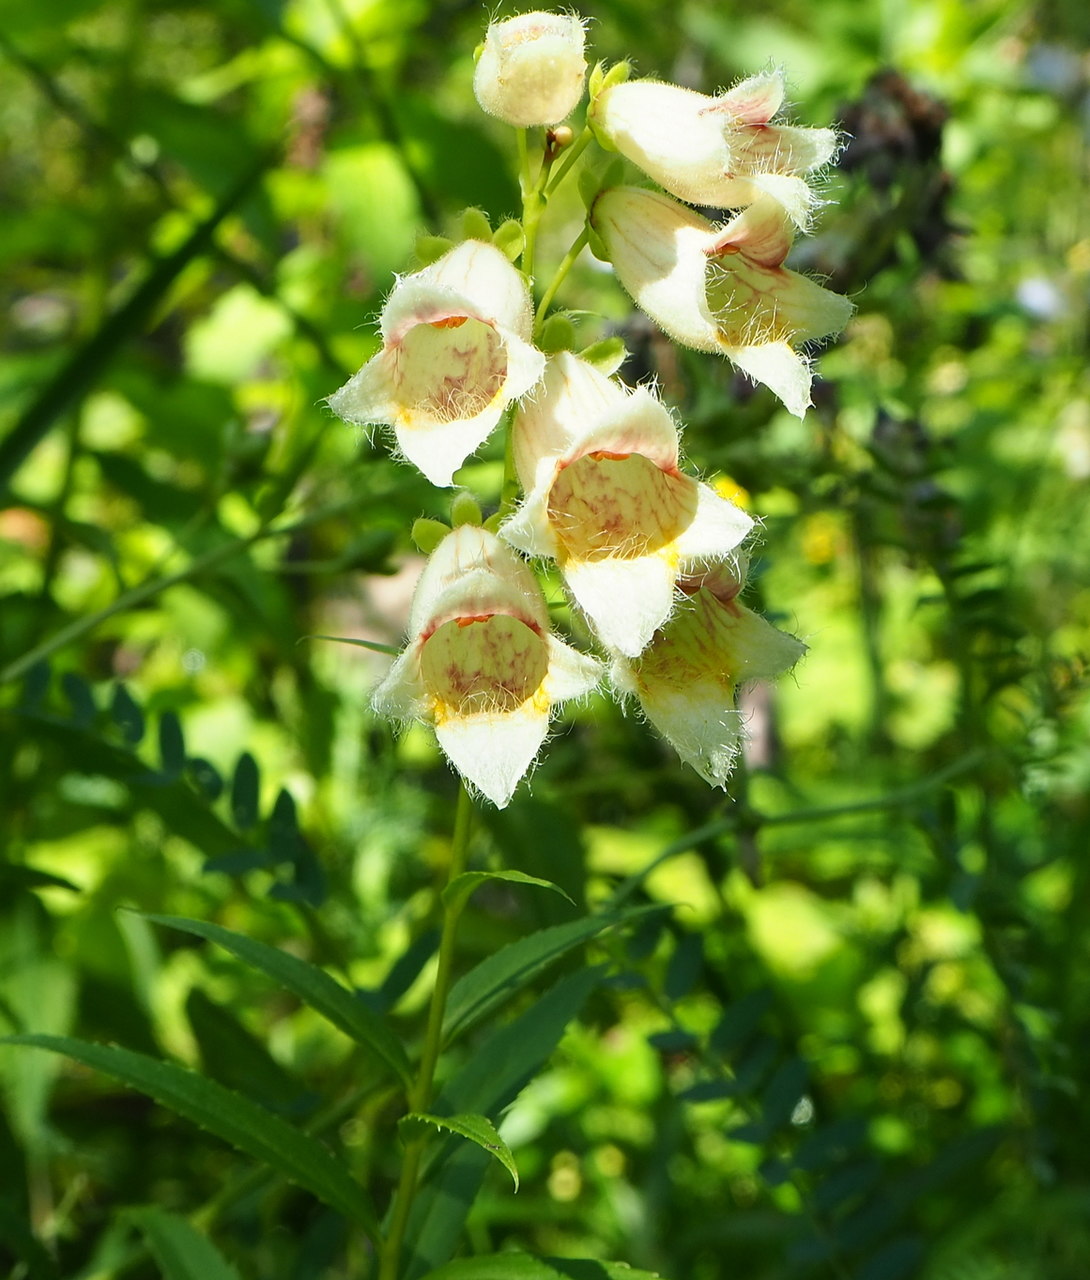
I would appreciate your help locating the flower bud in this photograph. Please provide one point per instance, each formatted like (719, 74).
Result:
(531, 69)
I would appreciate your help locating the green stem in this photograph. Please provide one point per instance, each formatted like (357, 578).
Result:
(558, 279)
(509, 491)
(570, 157)
(420, 1094)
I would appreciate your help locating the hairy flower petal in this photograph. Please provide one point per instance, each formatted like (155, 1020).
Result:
(720, 289)
(481, 665)
(714, 151)
(456, 353)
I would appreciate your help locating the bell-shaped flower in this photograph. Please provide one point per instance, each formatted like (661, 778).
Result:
(686, 678)
(722, 289)
(482, 665)
(722, 151)
(531, 69)
(455, 353)
(608, 501)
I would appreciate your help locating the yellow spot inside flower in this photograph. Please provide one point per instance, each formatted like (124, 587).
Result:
(451, 322)
(482, 663)
(694, 648)
(614, 505)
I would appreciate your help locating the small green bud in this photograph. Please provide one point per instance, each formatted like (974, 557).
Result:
(427, 534)
(430, 249)
(606, 356)
(475, 225)
(557, 334)
(510, 238)
(464, 509)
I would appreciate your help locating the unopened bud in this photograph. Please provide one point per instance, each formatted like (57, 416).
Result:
(531, 69)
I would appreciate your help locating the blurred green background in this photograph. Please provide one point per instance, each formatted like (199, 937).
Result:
(857, 1045)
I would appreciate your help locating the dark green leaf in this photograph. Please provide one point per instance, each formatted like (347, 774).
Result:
(230, 1116)
(244, 792)
(127, 715)
(502, 975)
(458, 891)
(171, 744)
(740, 1021)
(476, 1128)
(312, 985)
(783, 1091)
(179, 1249)
(521, 1266)
(80, 698)
(16, 876)
(895, 1261)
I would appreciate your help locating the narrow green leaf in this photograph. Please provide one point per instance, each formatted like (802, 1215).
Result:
(171, 744)
(244, 792)
(507, 971)
(521, 1266)
(244, 1124)
(373, 645)
(82, 700)
(179, 1249)
(476, 1128)
(127, 715)
(489, 1081)
(456, 894)
(16, 875)
(312, 985)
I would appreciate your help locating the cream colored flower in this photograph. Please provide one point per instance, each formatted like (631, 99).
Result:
(456, 351)
(481, 664)
(721, 151)
(687, 676)
(531, 69)
(607, 500)
(721, 289)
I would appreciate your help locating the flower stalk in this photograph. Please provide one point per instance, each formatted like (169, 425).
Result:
(419, 1098)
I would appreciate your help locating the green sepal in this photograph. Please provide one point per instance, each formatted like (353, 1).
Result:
(429, 249)
(606, 356)
(427, 534)
(475, 224)
(510, 238)
(464, 509)
(557, 334)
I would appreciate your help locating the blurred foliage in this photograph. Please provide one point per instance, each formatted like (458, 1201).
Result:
(855, 1045)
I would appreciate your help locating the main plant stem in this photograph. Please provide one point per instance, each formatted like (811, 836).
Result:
(421, 1091)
